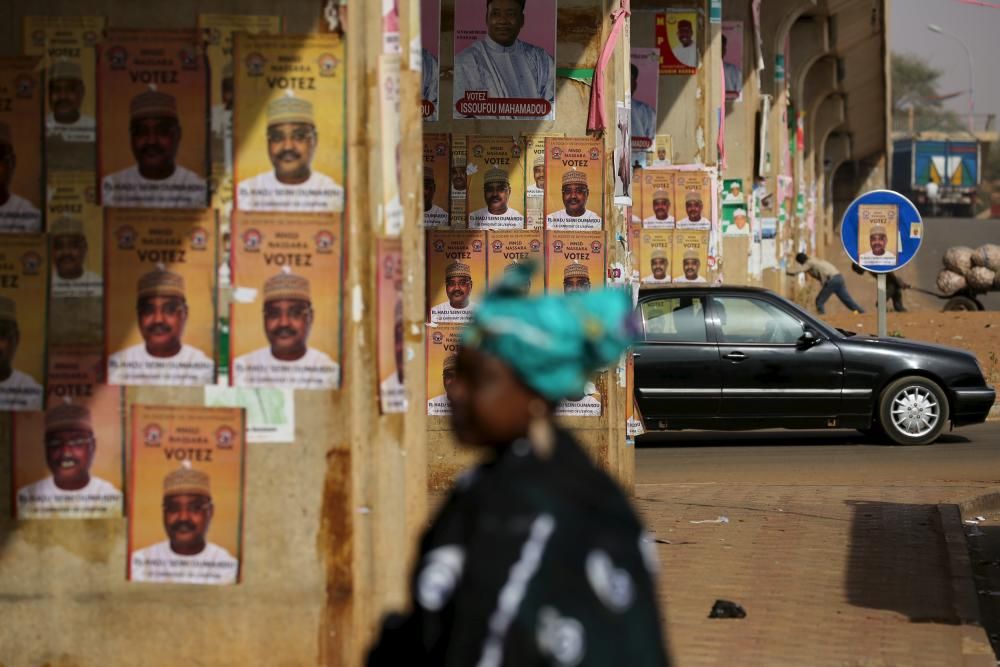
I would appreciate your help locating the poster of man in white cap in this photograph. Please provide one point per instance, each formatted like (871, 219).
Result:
(495, 169)
(430, 57)
(690, 257)
(574, 175)
(657, 198)
(160, 297)
(437, 163)
(23, 296)
(509, 249)
(392, 388)
(534, 159)
(442, 359)
(186, 472)
(68, 459)
(456, 273)
(696, 189)
(286, 303)
(75, 235)
(878, 234)
(505, 59)
(289, 124)
(655, 255)
(20, 138)
(734, 220)
(67, 46)
(152, 148)
(574, 261)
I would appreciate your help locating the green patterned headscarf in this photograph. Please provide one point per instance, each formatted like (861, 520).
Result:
(554, 343)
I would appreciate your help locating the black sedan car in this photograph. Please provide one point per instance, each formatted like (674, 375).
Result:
(732, 358)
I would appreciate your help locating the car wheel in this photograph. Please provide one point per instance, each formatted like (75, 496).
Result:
(913, 411)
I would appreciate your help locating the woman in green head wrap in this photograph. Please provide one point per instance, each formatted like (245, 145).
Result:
(536, 558)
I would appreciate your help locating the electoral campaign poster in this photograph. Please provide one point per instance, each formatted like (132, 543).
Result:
(495, 171)
(622, 160)
(289, 122)
(442, 358)
(437, 178)
(658, 198)
(66, 44)
(508, 249)
(694, 192)
(151, 126)
(23, 286)
(269, 412)
(734, 220)
(430, 58)
(388, 141)
(732, 191)
(656, 255)
(690, 256)
(574, 261)
(534, 160)
(676, 41)
(219, 30)
(732, 58)
(389, 332)
(285, 313)
(645, 92)
(20, 140)
(75, 235)
(505, 59)
(159, 305)
(185, 504)
(574, 174)
(68, 459)
(878, 234)
(590, 404)
(456, 273)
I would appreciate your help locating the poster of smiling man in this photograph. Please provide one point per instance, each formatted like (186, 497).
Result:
(151, 131)
(159, 306)
(456, 274)
(574, 179)
(437, 165)
(675, 38)
(289, 123)
(505, 59)
(186, 495)
(495, 169)
(286, 302)
(75, 235)
(23, 295)
(21, 196)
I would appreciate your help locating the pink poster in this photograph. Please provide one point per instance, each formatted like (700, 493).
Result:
(645, 84)
(430, 57)
(505, 59)
(732, 58)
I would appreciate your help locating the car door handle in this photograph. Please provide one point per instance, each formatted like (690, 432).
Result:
(636, 355)
(735, 356)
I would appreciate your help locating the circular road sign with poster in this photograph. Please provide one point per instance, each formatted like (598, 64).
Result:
(881, 231)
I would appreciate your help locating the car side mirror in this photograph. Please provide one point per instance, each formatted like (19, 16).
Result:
(808, 338)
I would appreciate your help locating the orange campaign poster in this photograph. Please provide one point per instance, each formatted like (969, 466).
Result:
(20, 138)
(507, 249)
(437, 176)
(574, 178)
(442, 348)
(218, 32)
(285, 316)
(656, 256)
(392, 390)
(289, 123)
(68, 459)
(185, 505)
(75, 235)
(658, 197)
(459, 183)
(676, 40)
(694, 195)
(159, 305)
(495, 168)
(66, 44)
(534, 171)
(23, 295)
(151, 121)
(574, 261)
(878, 234)
(456, 273)
(690, 256)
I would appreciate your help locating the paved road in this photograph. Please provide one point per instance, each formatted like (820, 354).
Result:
(942, 233)
(818, 457)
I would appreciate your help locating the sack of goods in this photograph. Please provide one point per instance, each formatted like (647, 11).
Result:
(977, 270)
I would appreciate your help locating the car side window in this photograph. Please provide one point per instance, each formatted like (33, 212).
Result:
(745, 320)
(675, 320)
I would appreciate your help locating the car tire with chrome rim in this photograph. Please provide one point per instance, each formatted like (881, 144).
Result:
(913, 410)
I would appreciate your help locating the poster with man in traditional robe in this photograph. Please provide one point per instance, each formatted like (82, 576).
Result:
(495, 170)
(574, 179)
(76, 228)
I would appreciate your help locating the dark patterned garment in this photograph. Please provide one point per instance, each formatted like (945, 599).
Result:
(531, 562)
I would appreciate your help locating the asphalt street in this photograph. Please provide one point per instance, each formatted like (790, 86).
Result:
(942, 233)
(967, 454)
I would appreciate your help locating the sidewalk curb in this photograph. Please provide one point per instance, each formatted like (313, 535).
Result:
(976, 650)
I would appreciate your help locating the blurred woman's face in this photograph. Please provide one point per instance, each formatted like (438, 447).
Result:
(490, 406)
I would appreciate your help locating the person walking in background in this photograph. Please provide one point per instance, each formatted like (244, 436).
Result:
(829, 277)
(536, 558)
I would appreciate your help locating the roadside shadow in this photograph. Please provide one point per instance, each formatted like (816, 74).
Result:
(897, 560)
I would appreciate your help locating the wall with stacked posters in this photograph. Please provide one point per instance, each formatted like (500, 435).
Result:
(169, 371)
